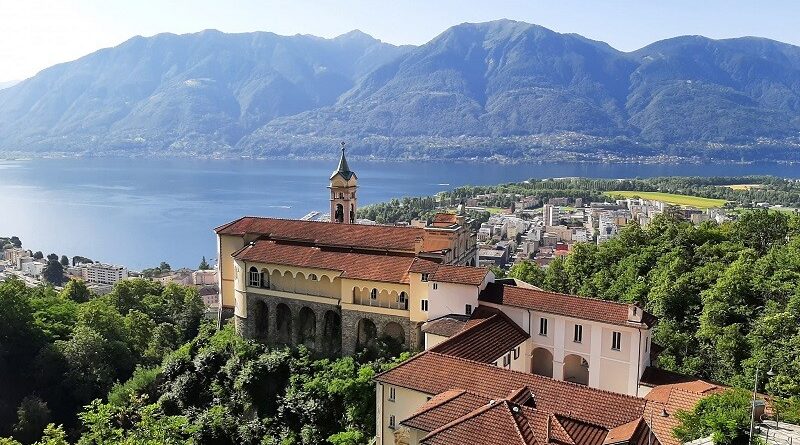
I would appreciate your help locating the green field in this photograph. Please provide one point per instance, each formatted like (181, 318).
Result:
(671, 198)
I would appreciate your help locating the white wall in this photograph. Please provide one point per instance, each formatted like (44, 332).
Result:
(449, 298)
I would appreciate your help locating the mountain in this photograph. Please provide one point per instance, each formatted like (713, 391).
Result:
(503, 88)
(8, 83)
(169, 92)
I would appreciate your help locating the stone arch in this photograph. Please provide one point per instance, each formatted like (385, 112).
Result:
(261, 319)
(287, 279)
(253, 277)
(339, 214)
(265, 278)
(542, 362)
(306, 327)
(283, 324)
(331, 341)
(275, 279)
(395, 331)
(576, 369)
(367, 334)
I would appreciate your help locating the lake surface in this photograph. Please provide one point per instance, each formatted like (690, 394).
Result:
(141, 212)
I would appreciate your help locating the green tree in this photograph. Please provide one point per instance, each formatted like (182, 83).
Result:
(528, 271)
(76, 291)
(724, 416)
(32, 417)
(64, 261)
(204, 264)
(555, 277)
(760, 229)
(53, 273)
(38, 255)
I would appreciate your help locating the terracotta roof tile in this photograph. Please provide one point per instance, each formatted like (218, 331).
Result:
(668, 399)
(497, 423)
(433, 373)
(385, 268)
(457, 417)
(445, 326)
(360, 236)
(423, 266)
(488, 336)
(445, 219)
(443, 409)
(561, 304)
(472, 276)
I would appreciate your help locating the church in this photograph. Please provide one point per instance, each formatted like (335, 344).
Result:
(299, 282)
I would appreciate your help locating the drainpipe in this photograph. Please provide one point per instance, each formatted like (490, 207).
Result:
(639, 362)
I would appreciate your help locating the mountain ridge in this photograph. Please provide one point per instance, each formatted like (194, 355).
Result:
(504, 89)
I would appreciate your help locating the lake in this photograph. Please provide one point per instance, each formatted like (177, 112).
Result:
(141, 212)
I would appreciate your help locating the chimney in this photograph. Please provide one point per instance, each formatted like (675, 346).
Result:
(634, 313)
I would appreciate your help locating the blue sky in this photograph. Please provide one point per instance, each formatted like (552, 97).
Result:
(35, 34)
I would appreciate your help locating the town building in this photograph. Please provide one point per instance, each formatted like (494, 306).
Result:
(103, 273)
(299, 282)
(204, 277)
(32, 268)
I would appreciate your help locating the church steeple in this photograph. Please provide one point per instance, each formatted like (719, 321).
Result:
(343, 184)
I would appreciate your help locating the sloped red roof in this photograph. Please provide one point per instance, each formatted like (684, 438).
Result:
(445, 219)
(385, 268)
(664, 401)
(446, 326)
(443, 409)
(488, 335)
(495, 423)
(360, 236)
(561, 304)
(433, 373)
(472, 276)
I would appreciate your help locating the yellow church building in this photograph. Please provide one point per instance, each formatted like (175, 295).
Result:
(299, 282)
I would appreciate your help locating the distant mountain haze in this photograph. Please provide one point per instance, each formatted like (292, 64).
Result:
(502, 88)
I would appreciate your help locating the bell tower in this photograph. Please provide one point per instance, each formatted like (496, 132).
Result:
(343, 187)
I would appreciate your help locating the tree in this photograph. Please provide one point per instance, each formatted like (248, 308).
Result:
(724, 416)
(52, 257)
(16, 241)
(53, 273)
(38, 255)
(164, 267)
(204, 265)
(528, 271)
(760, 229)
(64, 261)
(32, 416)
(81, 260)
(76, 291)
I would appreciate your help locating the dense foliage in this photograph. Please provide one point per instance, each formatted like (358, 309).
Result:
(58, 352)
(727, 296)
(137, 366)
(775, 191)
(724, 416)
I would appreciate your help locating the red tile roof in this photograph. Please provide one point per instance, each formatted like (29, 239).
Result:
(668, 399)
(443, 409)
(561, 304)
(358, 236)
(433, 373)
(472, 276)
(421, 265)
(488, 336)
(501, 423)
(445, 219)
(445, 326)
(385, 268)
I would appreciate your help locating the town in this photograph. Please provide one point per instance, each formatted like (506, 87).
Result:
(490, 349)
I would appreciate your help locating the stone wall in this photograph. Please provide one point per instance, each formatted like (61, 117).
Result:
(350, 329)
(289, 331)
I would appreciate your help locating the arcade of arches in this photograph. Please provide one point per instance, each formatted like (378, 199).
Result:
(318, 326)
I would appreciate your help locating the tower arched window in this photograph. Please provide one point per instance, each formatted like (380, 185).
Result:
(255, 278)
(373, 294)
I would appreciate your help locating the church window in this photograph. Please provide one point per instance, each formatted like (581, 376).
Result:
(425, 277)
(468, 309)
(313, 277)
(373, 294)
(255, 277)
(402, 297)
(435, 286)
(424, 305)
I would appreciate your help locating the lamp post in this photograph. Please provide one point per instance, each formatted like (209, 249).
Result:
(770, 373)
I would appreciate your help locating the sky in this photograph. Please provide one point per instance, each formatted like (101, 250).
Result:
(35, 34)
